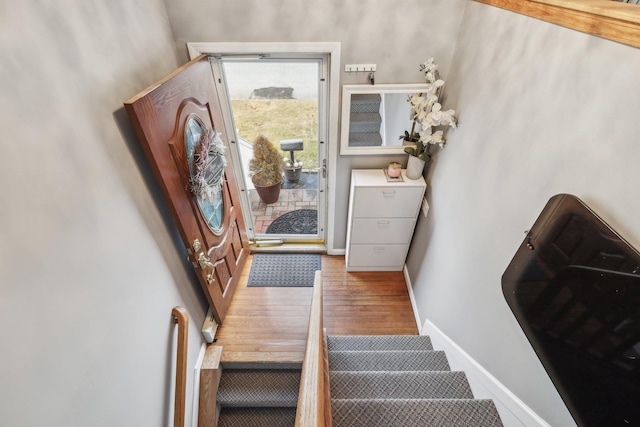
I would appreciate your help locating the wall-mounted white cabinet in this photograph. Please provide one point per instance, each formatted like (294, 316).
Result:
(382, 217)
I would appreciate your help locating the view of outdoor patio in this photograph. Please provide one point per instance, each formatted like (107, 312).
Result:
(272, 107)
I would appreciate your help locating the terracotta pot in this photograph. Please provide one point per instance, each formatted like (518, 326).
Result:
(268, 194)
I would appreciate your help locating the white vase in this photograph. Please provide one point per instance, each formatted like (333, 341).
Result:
(415, 166)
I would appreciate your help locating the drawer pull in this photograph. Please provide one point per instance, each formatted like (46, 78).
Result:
(383, 222)
(378, 249)
(388, 193)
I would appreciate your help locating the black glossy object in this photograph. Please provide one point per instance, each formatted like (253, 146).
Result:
(574, 287)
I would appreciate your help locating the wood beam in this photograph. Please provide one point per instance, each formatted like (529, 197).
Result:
(612, 20)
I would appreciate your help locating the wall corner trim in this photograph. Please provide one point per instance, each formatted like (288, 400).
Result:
(512, 410)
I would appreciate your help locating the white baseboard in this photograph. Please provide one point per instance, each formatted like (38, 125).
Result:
(333, 251)
(512, 410)
(414, 307)
(196, 385)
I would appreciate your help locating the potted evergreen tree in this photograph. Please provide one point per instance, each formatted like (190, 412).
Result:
(265, 169)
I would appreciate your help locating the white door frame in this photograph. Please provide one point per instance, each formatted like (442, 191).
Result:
(332, 49)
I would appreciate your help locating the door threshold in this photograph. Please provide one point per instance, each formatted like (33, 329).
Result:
(312, 248)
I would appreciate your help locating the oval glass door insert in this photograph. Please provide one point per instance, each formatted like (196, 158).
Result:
(205, 155)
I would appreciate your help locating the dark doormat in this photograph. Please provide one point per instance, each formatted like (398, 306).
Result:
(301, 221)
(289, 270)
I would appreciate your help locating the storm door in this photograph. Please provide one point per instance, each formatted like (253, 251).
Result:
(282, 100)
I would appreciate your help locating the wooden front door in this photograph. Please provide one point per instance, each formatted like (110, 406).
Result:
(180, 127)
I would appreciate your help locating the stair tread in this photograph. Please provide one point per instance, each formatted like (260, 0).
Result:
(365, 117)
(366, 97)
(255, 387)
(379, 342)
(365, 139)
(243, 417)
(414, 412)
(365, 103)
(405, 360)
(399, 385)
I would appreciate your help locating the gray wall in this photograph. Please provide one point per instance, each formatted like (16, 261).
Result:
(89, 263)
(543, 110)
(397, 35)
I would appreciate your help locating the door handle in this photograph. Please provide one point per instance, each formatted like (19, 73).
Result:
(204, 261)
(323, 168)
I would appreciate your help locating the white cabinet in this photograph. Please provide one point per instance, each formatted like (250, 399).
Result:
(382, 216)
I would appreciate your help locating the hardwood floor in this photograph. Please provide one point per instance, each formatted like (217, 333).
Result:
(266, 324)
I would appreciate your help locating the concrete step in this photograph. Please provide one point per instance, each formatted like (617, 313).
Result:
(399, 385)
(379, 342)
(414, 412)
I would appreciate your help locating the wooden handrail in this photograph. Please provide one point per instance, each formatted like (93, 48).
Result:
(311, 399)
(181, 317)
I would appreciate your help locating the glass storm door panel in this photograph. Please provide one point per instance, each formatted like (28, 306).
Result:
(282, 100)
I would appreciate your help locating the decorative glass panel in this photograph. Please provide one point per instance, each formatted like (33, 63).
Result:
(205, 155)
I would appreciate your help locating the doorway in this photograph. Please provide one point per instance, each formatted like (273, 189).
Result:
(282, 100)
(313, 72)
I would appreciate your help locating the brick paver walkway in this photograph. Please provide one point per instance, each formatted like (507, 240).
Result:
(289, 200)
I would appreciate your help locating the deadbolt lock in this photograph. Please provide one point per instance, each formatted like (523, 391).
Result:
(196, 245)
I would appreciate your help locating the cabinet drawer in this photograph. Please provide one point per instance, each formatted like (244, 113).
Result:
(377, 256)
(387, 202)
(382, 230)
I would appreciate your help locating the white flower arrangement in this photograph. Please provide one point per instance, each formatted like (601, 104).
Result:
(427, 111)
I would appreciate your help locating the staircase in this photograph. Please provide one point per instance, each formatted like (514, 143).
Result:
(374, 381)
(365, 120)
(250, 395)
(400, 381)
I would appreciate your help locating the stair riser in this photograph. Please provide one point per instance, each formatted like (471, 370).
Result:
(364, 127)
(365, 107)
(365, 103)
(275, 417)
(399, 385)
(259, 388)
(389, 413)
(388, 361)
(380, 343)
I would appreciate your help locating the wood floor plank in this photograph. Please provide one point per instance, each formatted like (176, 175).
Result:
(269, 324)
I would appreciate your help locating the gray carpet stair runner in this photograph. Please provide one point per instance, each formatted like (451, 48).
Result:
(365, 120)
(400, 381)
(250, 395)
